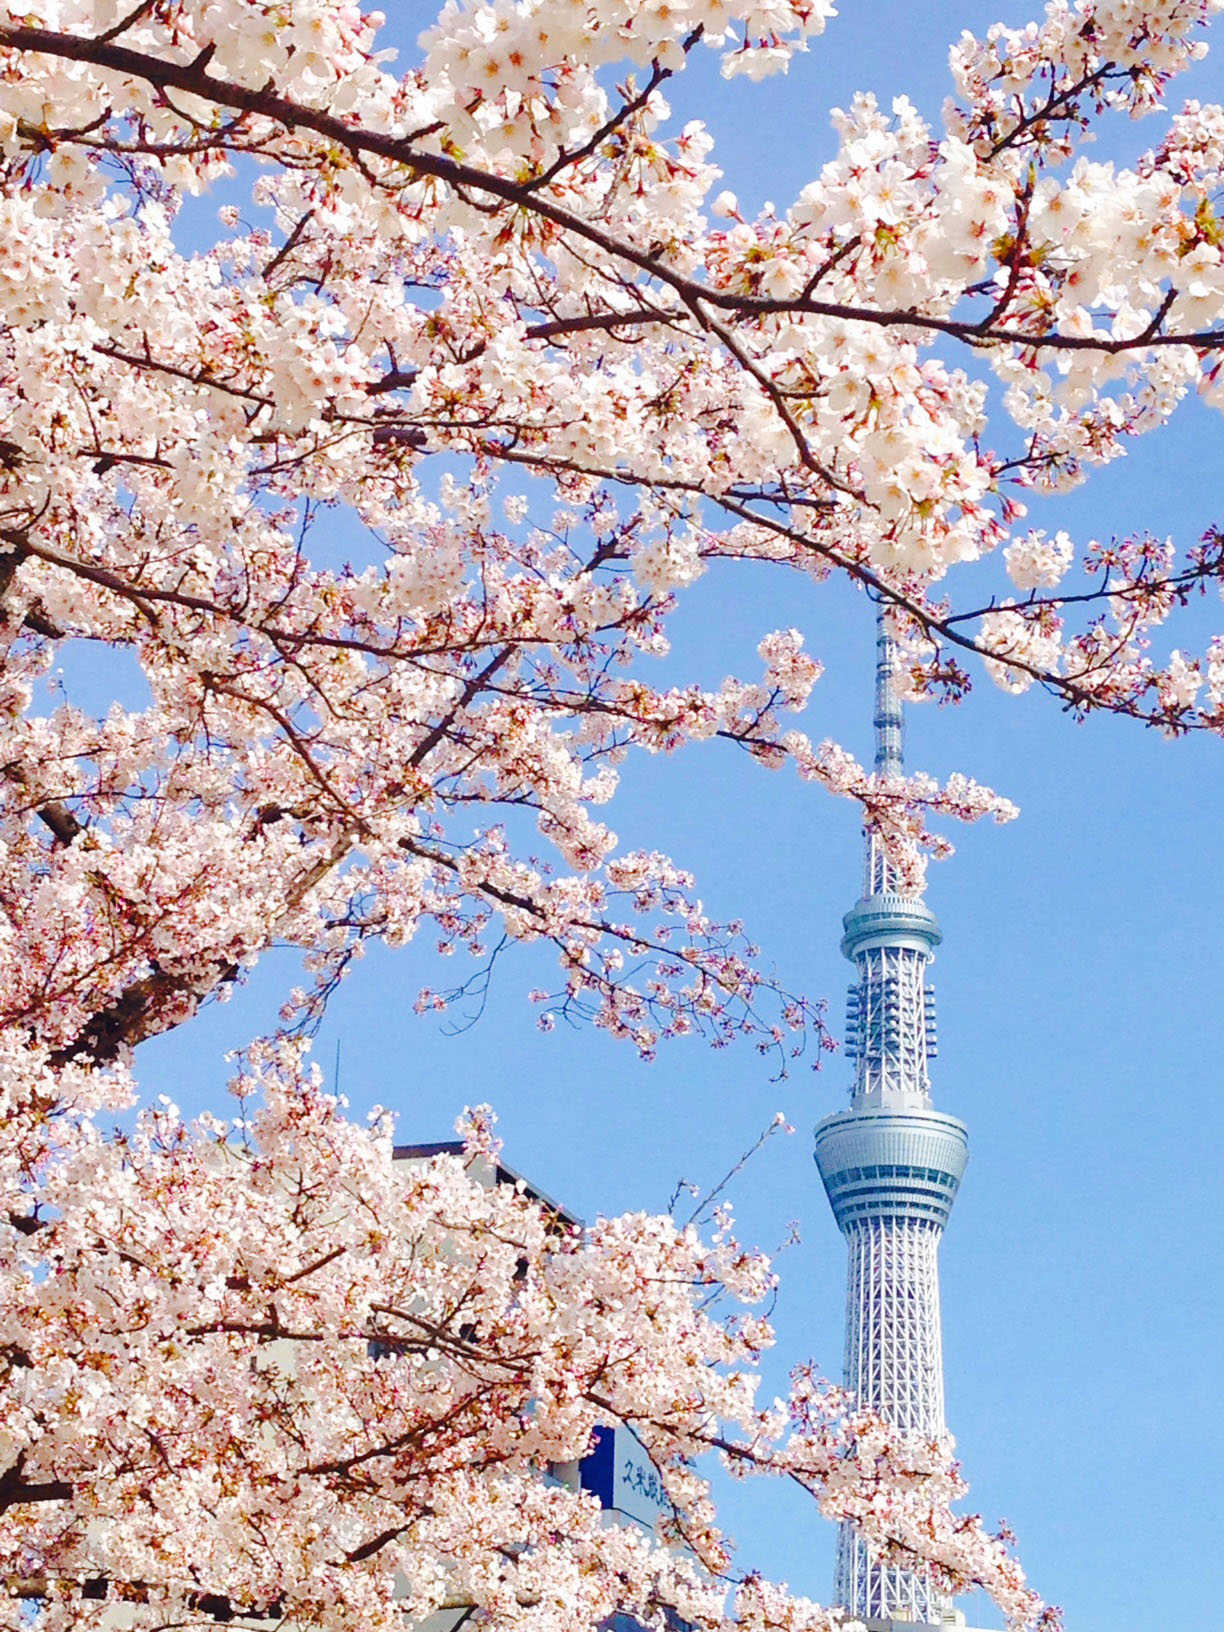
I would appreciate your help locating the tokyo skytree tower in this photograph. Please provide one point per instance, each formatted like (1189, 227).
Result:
(891, 1166)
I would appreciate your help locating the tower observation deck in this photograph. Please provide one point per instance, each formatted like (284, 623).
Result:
(891, 1167)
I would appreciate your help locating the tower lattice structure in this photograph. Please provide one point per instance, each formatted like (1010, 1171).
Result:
(891, 1167)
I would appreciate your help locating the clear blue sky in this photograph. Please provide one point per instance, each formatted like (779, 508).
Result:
(1081, 1013)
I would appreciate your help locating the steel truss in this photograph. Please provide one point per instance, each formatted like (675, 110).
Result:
(894, 1364)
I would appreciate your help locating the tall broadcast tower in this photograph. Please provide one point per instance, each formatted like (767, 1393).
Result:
(891, 1166)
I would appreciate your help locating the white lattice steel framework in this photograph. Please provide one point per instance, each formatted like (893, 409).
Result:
(891, 1166)
(893, 1355)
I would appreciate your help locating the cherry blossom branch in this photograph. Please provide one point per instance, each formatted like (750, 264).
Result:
(196, 79)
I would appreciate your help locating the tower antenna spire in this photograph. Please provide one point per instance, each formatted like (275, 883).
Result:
(889, 723)
(890, 937)
(891, 1166)
(879, 874)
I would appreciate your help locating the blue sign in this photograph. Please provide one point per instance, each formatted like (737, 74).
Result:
(620, 1474)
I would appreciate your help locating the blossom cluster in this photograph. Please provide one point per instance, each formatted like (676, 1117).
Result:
(271, 1369)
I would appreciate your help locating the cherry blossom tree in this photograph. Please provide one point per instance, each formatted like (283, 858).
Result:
(487, 328)
(195, 1427)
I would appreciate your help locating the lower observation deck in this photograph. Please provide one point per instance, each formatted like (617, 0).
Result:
(891, 1164)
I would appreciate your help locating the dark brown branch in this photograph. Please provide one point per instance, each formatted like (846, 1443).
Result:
(289, 245)
(53, 813)
(16, 1491)
(133, 1015)
(1050, 108)
(565, 160)
(267, 104)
